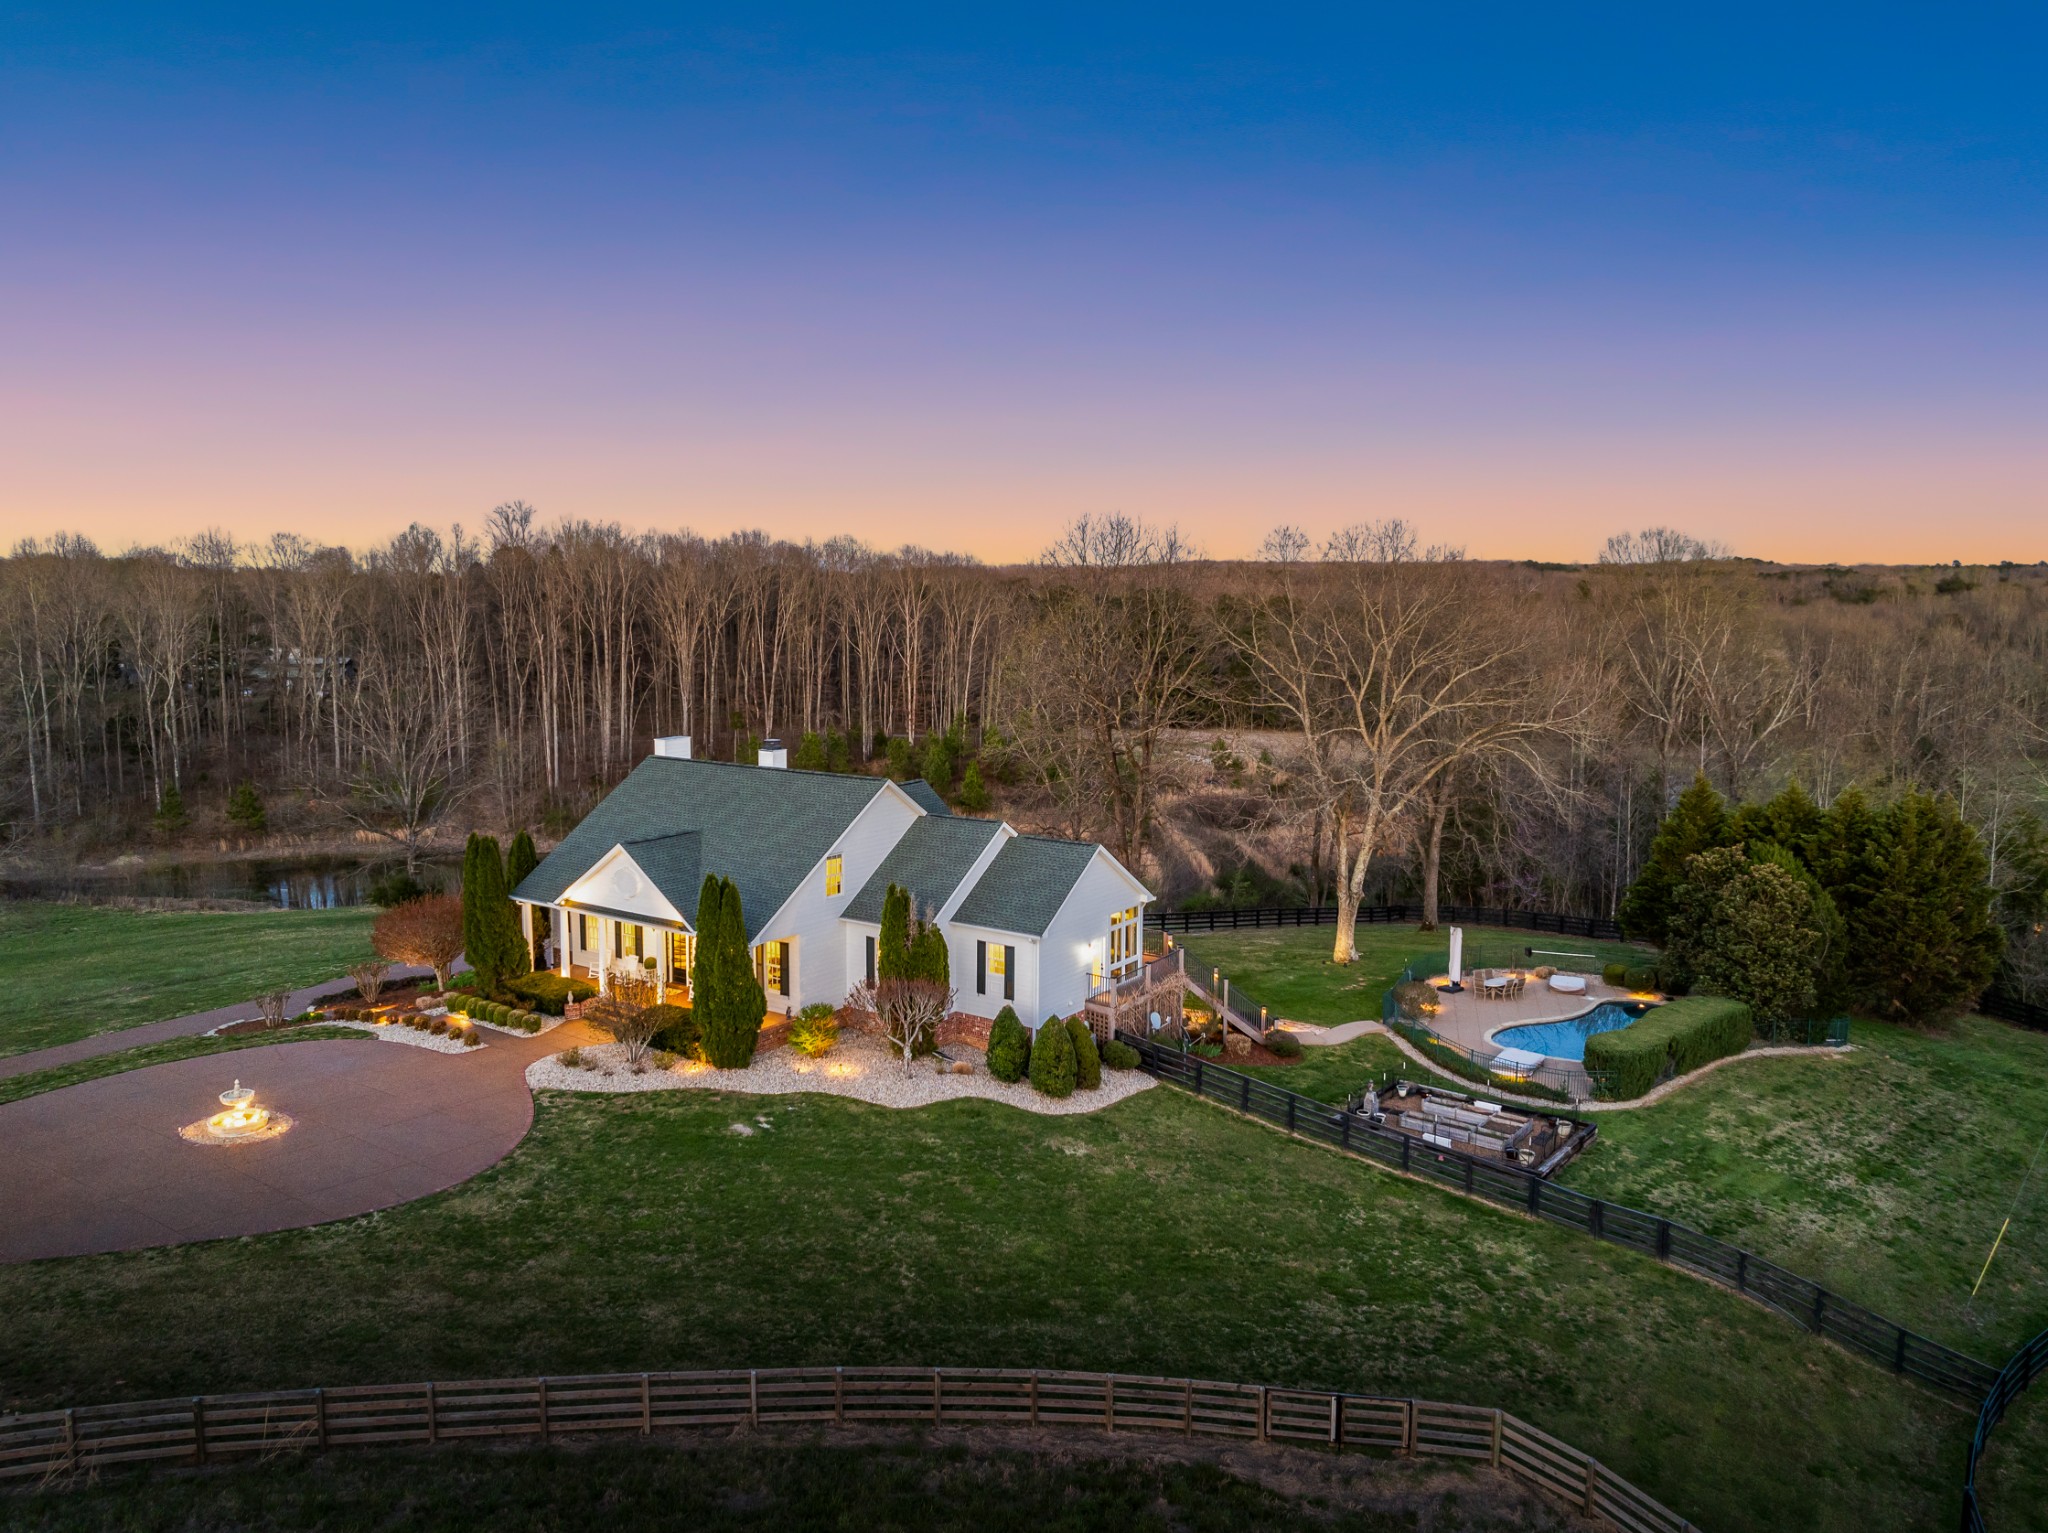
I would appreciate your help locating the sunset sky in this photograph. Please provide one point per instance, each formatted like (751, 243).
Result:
(1523, 275)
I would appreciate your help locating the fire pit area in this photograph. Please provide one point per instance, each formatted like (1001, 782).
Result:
(1487, 1131)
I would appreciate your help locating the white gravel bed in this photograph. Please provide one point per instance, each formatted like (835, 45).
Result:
(394, 1032)
(858, 1067)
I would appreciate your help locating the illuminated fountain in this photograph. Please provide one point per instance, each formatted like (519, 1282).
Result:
(240, 1120)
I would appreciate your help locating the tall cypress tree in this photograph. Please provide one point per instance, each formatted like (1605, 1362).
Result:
(892, 948)
(727, 999)
(490, 927)
(521, 860)
(1698, 822)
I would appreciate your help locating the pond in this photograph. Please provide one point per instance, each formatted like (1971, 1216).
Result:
(305, 883)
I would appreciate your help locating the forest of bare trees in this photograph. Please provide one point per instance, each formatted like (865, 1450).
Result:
(1367, 718)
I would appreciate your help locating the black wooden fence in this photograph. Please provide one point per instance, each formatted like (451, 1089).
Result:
(1251, 918)
(2026, 1365)
(2010, 1008)
(1816, 1308)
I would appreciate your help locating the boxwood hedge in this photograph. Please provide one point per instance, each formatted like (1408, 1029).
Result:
(1683, 1034)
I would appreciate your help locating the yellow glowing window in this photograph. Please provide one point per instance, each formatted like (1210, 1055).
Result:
(995, 958)
(833, 867)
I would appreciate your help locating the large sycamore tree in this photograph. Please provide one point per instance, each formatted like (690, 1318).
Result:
(1394, 674)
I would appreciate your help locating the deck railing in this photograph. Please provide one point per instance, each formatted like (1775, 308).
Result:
(203, 1429)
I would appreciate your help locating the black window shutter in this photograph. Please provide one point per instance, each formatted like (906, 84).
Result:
(782, 969)
(980, 968)
(871, 960)
(1009, 973)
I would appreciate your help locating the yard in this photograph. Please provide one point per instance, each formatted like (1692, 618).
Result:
(1290, 973)
(77, 970)
(1161, 1236)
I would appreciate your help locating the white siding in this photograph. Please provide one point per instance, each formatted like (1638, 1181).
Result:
(811, 918)
(1099, 893)
(960, 941)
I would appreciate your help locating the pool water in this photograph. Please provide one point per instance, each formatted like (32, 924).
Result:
(1567, 1040)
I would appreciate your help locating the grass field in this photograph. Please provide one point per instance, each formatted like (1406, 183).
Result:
(1161, 1236)
(76, 970)
(14, 1088)
(1290, 973)
(822, 1482)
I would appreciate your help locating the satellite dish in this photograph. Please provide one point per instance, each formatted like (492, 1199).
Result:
(1155, 1021)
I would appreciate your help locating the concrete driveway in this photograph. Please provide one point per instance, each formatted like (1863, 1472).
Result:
(100, 1166)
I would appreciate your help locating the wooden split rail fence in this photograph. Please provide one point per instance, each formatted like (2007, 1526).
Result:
(202, 1429)
(1841, 1320)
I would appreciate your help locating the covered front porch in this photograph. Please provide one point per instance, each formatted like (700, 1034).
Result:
(590, 943)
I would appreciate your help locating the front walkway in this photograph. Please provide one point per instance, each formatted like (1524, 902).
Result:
(100, 1167)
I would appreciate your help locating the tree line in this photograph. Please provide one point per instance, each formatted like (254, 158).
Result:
(1369, 718)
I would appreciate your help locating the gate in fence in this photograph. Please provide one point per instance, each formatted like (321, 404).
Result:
(206, 1428)
(1818, 1309)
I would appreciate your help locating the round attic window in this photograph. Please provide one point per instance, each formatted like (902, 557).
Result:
(625, 882)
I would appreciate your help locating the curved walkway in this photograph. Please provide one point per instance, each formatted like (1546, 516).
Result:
(100, 1167)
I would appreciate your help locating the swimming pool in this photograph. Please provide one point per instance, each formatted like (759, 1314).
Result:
(1567, 1040)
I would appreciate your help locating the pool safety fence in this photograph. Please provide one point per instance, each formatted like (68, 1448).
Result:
(206, 1429)
(1841, 1320)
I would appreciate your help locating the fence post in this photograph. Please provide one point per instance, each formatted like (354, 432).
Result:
(838, 1395)
(1592, 1487)
(937, 1403)
(198, 1429)
(754, 1396)
(71, 1438)
(1109, 1402)
(1244, 1093)
(1336, 1421)
(1820, 1305)
(1344, 1118)
(320, 1416)
(646, 1405)
(1187, 1408)
(1496, 1437)
(1536, 1196)
(433, 1417)
(1741, 1271)
(1198, 1075)
(1034, 1397)
(542, 1382)
(1406, 1145)
(1599, 1218)
(1663, 1240)
(1264, 1408)
(1899, 1352)
(1408, 1428)
(1291, 1099)
(1470, 1167)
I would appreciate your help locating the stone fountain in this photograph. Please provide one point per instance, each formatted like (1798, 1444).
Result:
(240, 1120)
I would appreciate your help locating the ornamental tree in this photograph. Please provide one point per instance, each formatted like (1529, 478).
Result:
(426, 931)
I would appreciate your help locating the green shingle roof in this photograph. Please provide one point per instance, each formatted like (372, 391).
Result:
(931, 859)
(926, 796)
(762, 827)
(1023, 888)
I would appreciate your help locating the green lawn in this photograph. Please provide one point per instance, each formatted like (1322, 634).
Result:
(901, 1482)
(1883, 1172)
(1290, 973)
(1160, 1236)
(76, 970)
(15, 1087)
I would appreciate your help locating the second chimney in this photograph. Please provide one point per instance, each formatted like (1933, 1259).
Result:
(677, 746)
(772, 755)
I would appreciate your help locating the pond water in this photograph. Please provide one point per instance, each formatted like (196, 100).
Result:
(1567, 1039)
(306, 883)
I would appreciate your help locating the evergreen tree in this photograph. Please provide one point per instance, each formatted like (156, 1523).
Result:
(727, 1000)
(838, 755)
(1791, 820)
(938, 763)
(898, 750)
(1831, 995)
(521, 860)
(1052, 1059)
(490, 921)
(1009, 1047)
(1745, 929)
(974, 797)
(170, 810)
(1087, 1059)
(810, 752)
(929, 959)
(2022, 875)
(245, 808)
(892, 948)
(1697, 823)
(1924, 943)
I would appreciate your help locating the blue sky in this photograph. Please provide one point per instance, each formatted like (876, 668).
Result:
(1522, 276)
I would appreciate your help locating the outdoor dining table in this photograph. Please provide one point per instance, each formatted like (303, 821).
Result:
(1496, 982)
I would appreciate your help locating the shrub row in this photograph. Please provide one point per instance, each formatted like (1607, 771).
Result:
(1624, 977)
(499, 1013)
(1063, 1057)
(550, 993)
(1679, 1036)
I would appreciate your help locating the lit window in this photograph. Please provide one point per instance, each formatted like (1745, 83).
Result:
(1123, 943)
(832, 871)
(995, 958)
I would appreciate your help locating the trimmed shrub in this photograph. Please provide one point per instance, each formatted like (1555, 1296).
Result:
(1283, 1045)
(1087, 1061)
(1009, 1047)
(1615, 974)
(675, 1030)
(470, 1040)
(1119, 1056)
(814, 1030)
(662, 1059)
(1679, 1035)
(572, 1059)
(1644, 978)
(1052, 1059)
(550, 993)
(438, 1026)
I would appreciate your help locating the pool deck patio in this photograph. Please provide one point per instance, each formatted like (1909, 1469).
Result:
(1468, 1020)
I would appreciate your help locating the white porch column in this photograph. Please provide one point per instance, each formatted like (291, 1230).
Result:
(560, 920)
(604, 954)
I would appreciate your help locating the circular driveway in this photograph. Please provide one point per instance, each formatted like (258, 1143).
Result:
(100, 1166)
